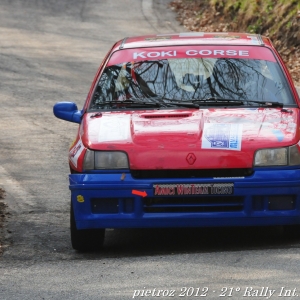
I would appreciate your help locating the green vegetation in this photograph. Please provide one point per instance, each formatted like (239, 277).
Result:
(278, 19)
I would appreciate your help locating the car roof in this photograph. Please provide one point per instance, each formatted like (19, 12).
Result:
(193, 38)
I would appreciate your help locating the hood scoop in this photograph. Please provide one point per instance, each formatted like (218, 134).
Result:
(165, 116)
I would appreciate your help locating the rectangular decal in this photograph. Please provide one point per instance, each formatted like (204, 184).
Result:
(191, 51)
(75, 152)
(254, 39)
(191, 34)
(182, 189)
(223, 136)
(114, 128)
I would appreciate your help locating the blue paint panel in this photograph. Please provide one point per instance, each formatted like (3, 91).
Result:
(268, 197)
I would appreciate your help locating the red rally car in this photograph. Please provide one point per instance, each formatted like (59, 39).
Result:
(185, 130)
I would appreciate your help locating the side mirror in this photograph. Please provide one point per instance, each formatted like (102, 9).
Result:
(67, 111)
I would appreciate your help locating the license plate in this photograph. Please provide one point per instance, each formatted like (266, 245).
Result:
(193, 189)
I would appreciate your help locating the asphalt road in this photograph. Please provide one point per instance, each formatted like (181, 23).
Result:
(49, 52)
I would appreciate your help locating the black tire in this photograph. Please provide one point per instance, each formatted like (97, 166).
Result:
(85, 239)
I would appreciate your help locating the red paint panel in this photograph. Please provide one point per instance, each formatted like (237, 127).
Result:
(165, 143)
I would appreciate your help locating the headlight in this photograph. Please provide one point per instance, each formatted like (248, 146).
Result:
(271, 157)
(294, 156)
(288, 156)
(102, 160)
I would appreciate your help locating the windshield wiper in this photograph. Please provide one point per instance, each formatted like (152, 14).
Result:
(126, 104)
(214, 100)
(165, 102)
(173, 102)
(159, 102)
(182, 104)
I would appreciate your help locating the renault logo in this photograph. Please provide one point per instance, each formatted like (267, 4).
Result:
(191, 158)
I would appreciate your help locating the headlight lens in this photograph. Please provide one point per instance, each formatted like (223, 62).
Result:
(294, 156)
(111, 160)
(89, 160)
(102, 160)
(288, 156)
(271, 157)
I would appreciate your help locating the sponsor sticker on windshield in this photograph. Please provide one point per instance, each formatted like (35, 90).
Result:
(223, 136)
(192, 51)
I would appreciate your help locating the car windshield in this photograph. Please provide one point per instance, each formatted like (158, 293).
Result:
(190, 79)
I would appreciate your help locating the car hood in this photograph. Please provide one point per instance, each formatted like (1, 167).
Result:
(191, 139)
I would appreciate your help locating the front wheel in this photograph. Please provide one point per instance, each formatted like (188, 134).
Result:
(85, 239)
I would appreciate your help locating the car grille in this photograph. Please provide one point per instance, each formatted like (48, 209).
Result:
(193, 204)
(144, 174)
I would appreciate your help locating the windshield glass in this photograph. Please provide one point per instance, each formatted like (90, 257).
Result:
(188, 79)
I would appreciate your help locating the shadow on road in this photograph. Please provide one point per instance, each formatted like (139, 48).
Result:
(144, 242)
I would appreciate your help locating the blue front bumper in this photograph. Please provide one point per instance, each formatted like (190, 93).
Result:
(268, 197)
